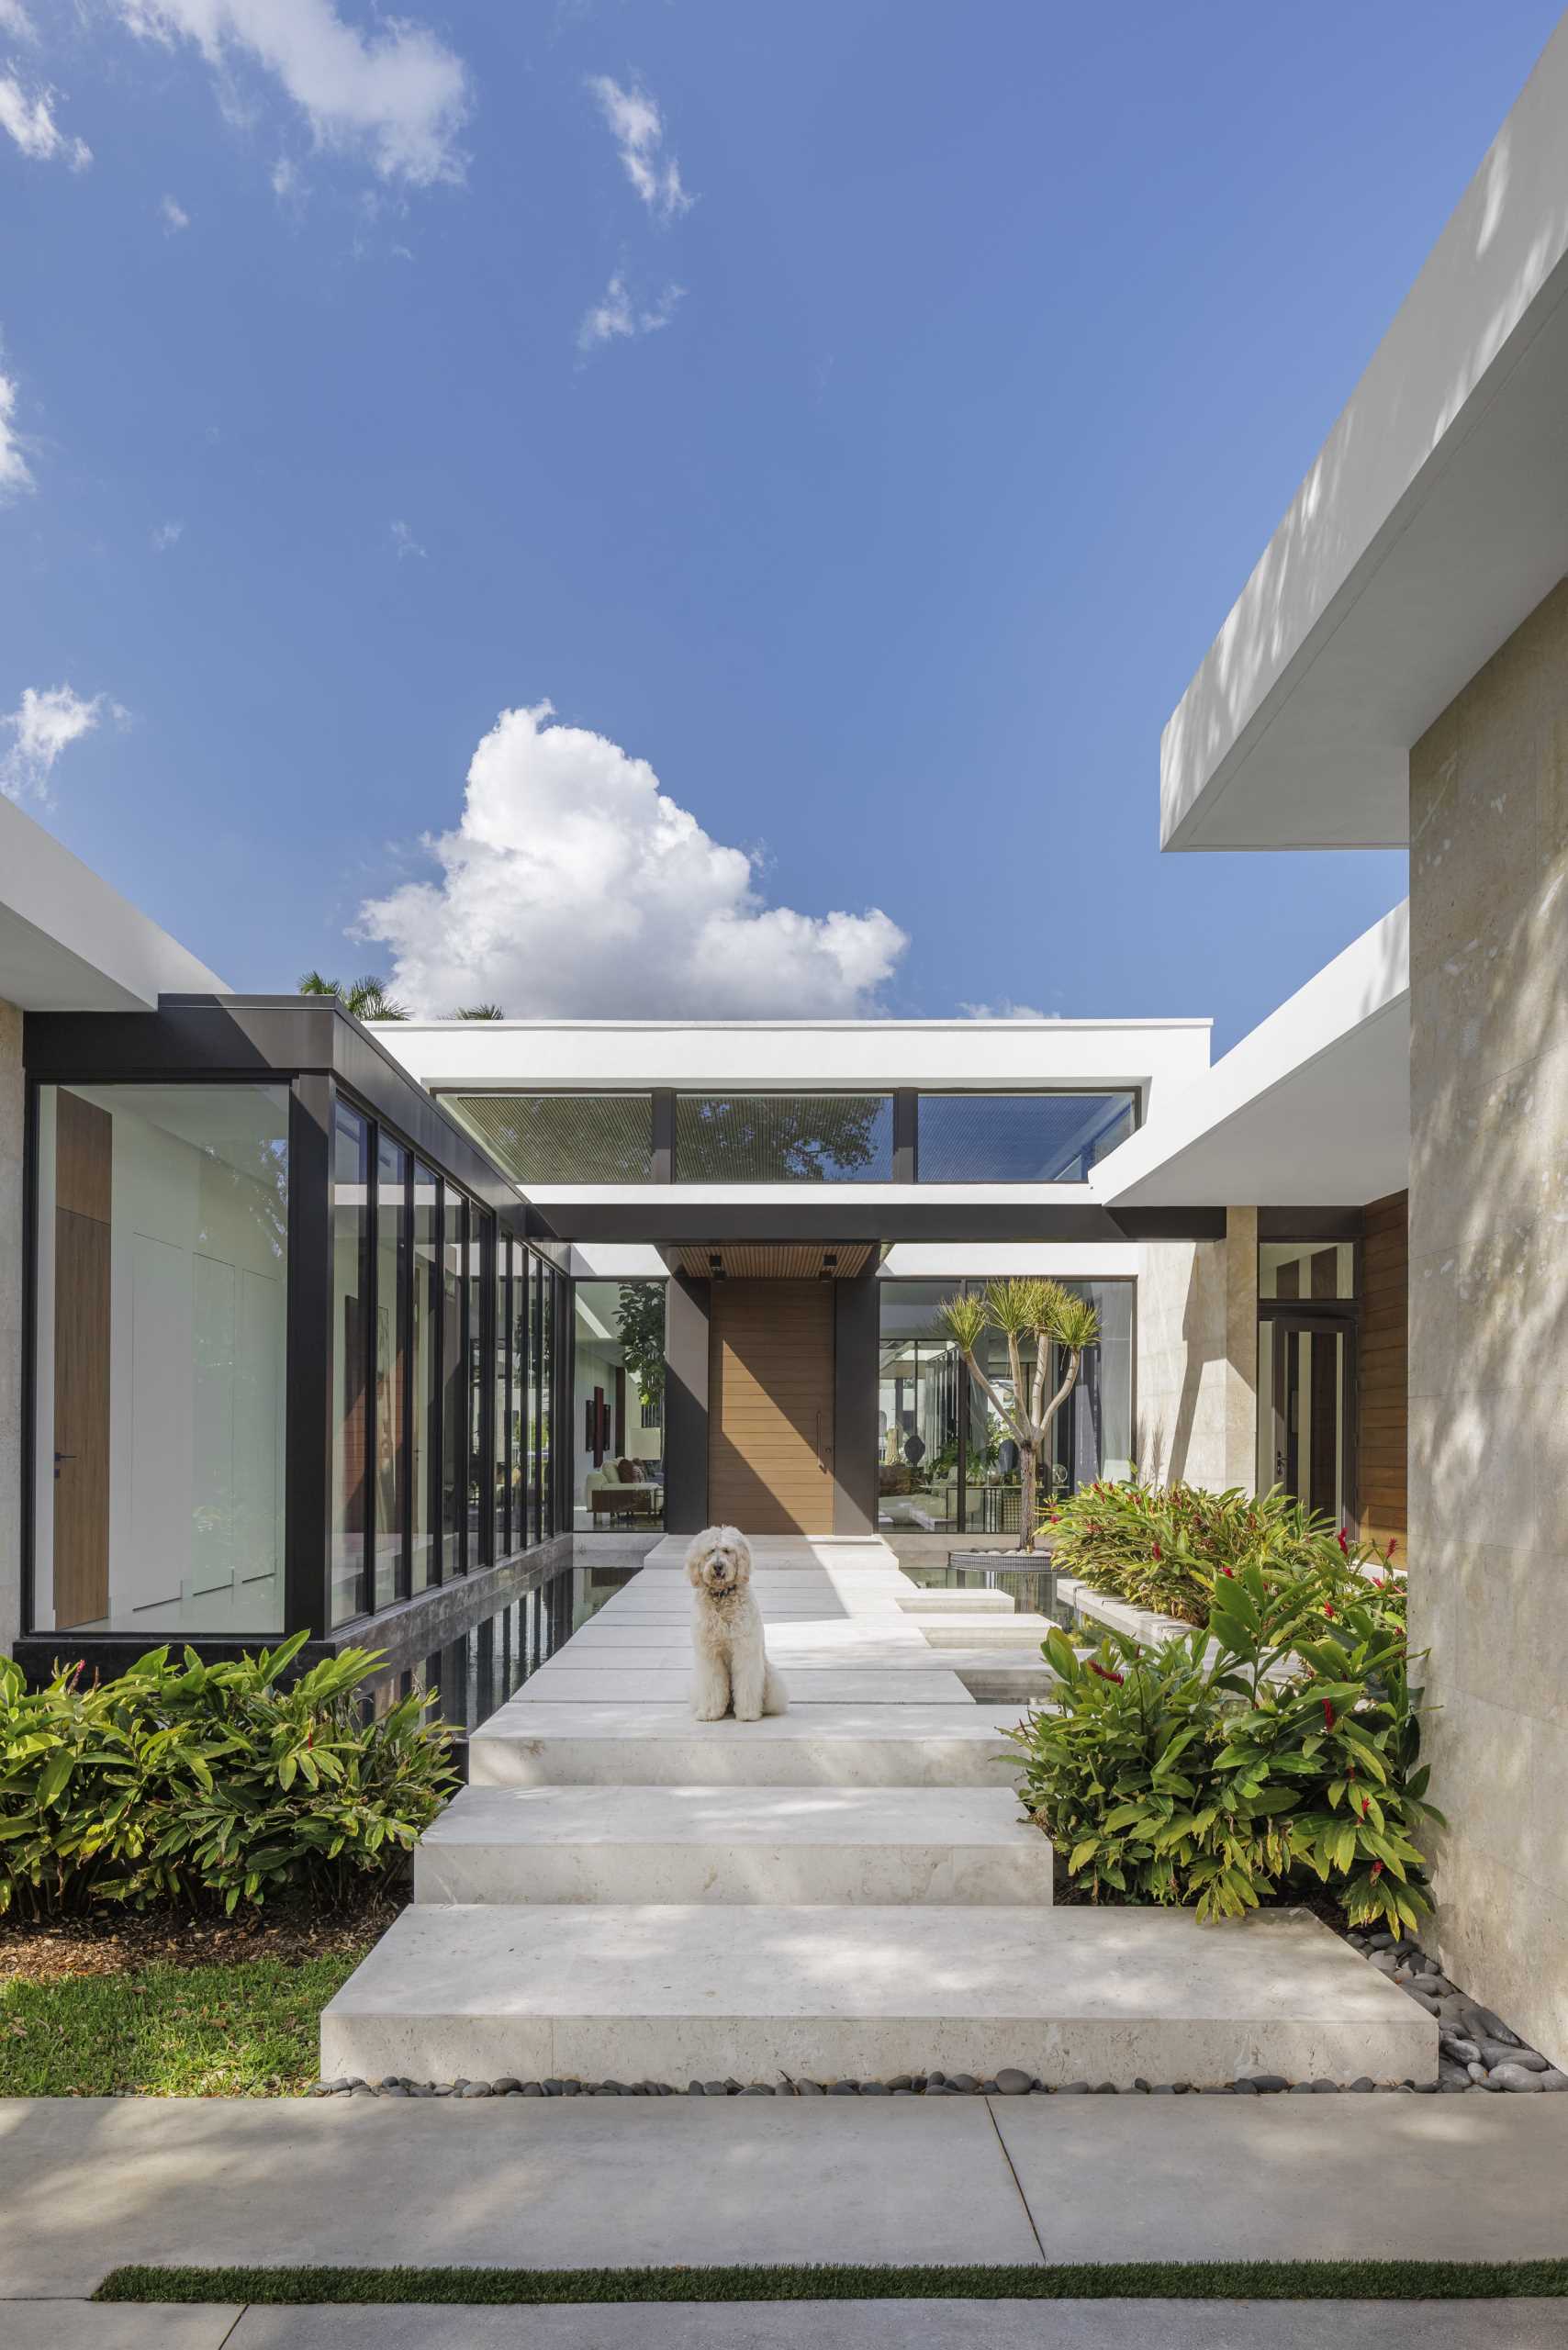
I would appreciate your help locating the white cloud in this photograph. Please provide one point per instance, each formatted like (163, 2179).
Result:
(395, 93)
(176, 217)
(287, 183)
(575, 886)
(15, 474)
(31, 123)
(41, 726)
(14, 20)
(404, 540)
(166, 535)
(616, 314)
(638, 129)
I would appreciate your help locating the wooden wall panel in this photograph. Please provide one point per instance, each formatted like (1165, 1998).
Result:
(83, 1190)
(770, 1400)
(1382, 1428)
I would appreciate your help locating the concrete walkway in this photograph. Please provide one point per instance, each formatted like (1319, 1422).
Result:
(828, 2325)
(88, 2183)
(843, 1891)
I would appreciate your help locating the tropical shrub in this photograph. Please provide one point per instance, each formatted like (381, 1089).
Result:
(1163, 1547)
(1222, 1766)
(209, 1784)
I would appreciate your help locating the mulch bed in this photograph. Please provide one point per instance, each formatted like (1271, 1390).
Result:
(119, 1941)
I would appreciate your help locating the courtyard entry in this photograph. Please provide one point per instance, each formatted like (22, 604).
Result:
(770, 1400)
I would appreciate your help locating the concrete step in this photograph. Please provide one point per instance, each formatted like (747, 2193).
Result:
(935, 1599)
(841, 1553)
(721, 1845)
(1022, 1633)
(659, 1745)
(668, 1683)
(692, 1991)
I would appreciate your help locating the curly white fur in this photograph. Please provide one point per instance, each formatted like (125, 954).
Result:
(730, 1667)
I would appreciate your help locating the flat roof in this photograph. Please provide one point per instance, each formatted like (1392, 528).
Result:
(1311, 1110)
(70, 943)
(1431, 522)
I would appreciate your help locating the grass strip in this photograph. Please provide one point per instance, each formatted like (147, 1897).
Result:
(1179, 2280)
(246, 2030)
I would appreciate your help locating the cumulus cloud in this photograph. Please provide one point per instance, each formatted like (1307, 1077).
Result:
(176, 217)
(404, 540)
(637, 128)
(31, 123)
(15, 474)
(615, 314)
(1006, 1009)
(574, 886)
(166, 535)
(394, 94)
(41, 726)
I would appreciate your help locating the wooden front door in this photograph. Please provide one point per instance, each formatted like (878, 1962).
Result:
(770, 1360)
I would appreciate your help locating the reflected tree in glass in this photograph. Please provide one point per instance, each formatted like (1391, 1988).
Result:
(1033, 1317)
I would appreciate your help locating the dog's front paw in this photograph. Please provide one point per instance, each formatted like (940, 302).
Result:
(748, 1713)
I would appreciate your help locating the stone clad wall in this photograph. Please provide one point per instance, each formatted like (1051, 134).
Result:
(11, 1099)
(1197, 1357)
(1488, 1335)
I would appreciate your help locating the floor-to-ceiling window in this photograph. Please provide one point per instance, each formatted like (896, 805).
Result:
(160, 1317)
(947, 1460)
(618, 1404)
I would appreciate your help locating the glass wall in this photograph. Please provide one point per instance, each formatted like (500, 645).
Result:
(425, 1339)
(784, 1137)
(349, 1356)
(562, 1137)
(1019, 1138)
(1307, 1323)
(945, 1462)
(618, 1404)
(393, 1275)
(160, 1381)
(453, 1369)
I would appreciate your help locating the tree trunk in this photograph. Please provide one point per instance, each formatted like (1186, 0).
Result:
(1026, 1497)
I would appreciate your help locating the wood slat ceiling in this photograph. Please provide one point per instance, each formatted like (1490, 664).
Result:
(753, 1261)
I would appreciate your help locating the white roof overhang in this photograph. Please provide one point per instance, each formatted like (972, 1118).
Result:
(1311, 1110)
(1433, 522)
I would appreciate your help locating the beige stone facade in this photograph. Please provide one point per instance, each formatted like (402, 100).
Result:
(11, 1100)
(1488, 1340)
(1197, 1358)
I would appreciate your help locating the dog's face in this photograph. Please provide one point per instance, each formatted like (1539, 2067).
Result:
(719, 1562)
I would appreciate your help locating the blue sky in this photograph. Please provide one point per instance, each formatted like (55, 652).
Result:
(862, 412)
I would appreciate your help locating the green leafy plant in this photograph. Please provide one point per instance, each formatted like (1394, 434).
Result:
(1038, 1319)
(640, 1326)
(211, 1783)
(1217, 1768)
(367, 999)
(1163, 1547)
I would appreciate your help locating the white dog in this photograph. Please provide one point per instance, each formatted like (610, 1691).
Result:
(731, 1667)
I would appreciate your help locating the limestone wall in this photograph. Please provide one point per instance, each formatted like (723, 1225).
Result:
(1197, 1349)
(1489, 1314)
(11, 1096)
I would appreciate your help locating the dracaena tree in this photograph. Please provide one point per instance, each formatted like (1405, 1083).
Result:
(1034, 1316)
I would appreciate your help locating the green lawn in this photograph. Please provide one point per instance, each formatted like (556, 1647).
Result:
(1242, 2280)
(247, 2029)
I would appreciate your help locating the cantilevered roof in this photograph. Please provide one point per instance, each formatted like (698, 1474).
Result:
(1311, 1110)
(69, 943)
(1433, 520)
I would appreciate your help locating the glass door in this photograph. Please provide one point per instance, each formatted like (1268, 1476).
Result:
(1304, 1412)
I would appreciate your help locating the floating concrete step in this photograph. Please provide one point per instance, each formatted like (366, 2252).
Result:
(697, 1992)
(659, 1745)
(669, 1684)
(935, 1599)
(722, 1845)
(1023, 1632)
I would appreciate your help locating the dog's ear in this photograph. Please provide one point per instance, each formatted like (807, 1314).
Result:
(697, 1557)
